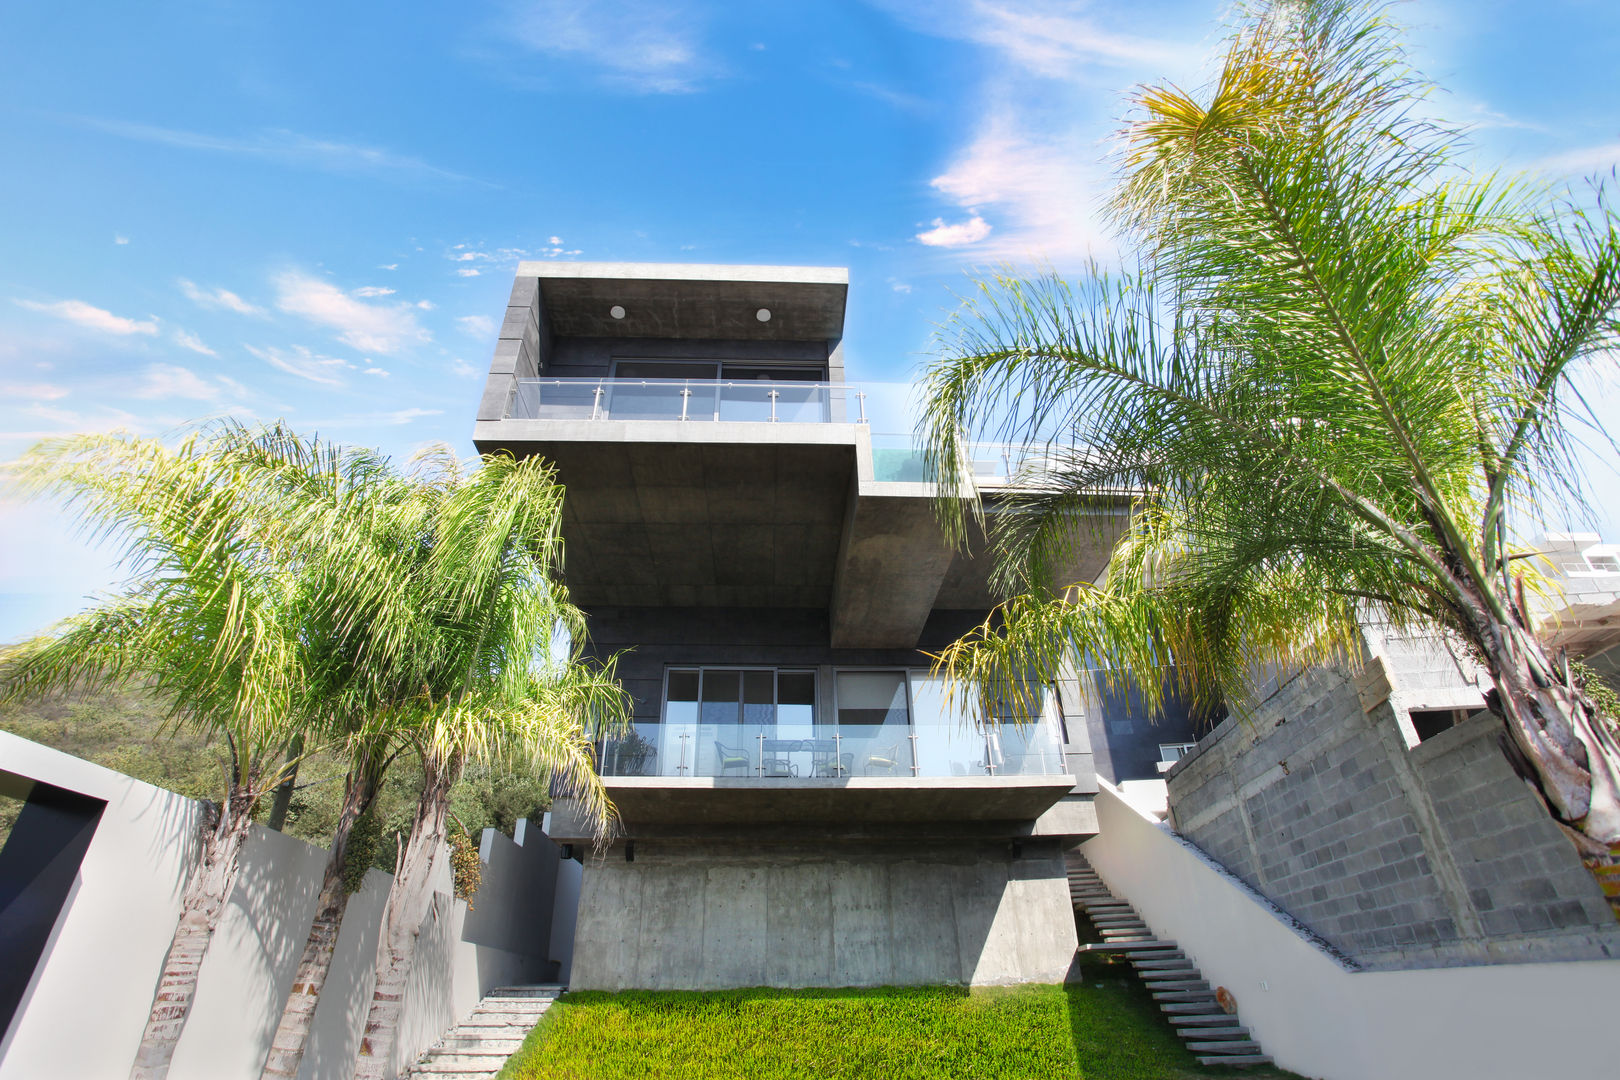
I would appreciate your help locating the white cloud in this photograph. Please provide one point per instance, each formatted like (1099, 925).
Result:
(1050, 38)
(33, 391)
(188, 340)
(389, 266)
(374, 290)
(92, 318)
(1582, 161)
(961, 234)
(899, 286)
(468, 256)
(649, 46)
(120, 240)
(468, 271)
(460, 367)
(426, 305)
(393, 418)
(1043, 189)
(477, 325)
(287, 148)
(304, 363)
(173, 381)
(219, 299)
(372, 328)
(374, 371)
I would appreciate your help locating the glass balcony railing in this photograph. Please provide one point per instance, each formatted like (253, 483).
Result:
(927, 746)
(884, 408)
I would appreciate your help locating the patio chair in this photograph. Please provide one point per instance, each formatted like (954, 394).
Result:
(885, 759)
(731, 757)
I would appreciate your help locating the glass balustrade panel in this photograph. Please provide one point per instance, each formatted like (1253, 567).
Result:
(874, 723)
(949, 743)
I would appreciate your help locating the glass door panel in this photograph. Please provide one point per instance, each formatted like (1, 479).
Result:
(874, 723)
(723, 748)
(677, 743)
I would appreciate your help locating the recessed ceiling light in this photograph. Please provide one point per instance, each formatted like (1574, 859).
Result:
(616, 311)
(763, 314)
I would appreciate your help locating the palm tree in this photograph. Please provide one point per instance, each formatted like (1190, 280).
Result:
(207, 622)
(487, 654)
(1339, 380)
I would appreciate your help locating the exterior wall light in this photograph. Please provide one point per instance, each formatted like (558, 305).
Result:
(763, 314)
(616, 311)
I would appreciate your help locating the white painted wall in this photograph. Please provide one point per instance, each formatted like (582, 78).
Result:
(1316, 1016)
(84, 1011)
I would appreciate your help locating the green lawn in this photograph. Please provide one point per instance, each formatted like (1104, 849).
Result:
(1105, 1029)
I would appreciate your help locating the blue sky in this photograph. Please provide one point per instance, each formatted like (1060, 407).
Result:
(313, 211)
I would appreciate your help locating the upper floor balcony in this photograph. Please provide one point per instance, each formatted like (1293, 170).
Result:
(883, 411)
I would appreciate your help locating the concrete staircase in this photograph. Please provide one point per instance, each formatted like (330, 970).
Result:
(477, 1047)
(1207, 1029)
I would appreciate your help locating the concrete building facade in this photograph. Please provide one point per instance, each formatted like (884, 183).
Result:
(803, 803)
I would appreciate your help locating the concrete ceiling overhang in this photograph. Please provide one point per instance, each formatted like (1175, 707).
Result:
(859, 800)
(759, 515)
(806, 303)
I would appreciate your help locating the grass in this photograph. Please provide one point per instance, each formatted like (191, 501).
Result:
(1104, 1029)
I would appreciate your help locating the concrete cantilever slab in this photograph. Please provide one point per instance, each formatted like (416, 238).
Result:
(865, 800)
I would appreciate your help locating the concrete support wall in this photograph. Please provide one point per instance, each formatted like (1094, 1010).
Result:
(101, 964)
(716, 914)
(1318, 1017)
(1401, 856)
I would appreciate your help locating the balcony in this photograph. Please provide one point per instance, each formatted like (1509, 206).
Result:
(886, 410)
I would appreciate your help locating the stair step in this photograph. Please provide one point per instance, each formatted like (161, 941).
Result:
(1212, 1018)
(1184, 995)
(1235, 1059)
(1176, 984)
(1214, 1033)
(1129, 948)
(1238, 1046)
(1197, 1008)
(1165, 963)
(462, 1043)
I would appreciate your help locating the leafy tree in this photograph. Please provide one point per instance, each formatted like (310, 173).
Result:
(1340, 375)
(207, 622)
(477, 627)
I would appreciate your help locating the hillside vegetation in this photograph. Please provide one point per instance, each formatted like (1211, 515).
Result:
(125, 731)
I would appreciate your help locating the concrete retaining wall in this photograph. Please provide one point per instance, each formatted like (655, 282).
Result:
(1400, 855)
(711, 915)
(1316, 1016)
(87, 1002)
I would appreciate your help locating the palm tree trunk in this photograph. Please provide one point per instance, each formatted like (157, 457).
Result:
(292, 1033)
(408, 903)
(204, 901)
(1575, 756)
(284, 791)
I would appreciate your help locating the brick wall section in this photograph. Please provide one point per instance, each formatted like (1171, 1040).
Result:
(1433, 855)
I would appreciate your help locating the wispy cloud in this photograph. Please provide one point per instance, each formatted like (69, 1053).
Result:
(646, 46)
(289, 148)
(120, 240)
(477, 325)
(91, 318)
(1582, 161)
(468, 271)
(1052, 38)
(1046, 188)
(374, 328)
(373, 290)
(187, 340)
(389, 418)
(173, 381)
(218, 299)
(304, 363)
(33, 391)
(465, 370)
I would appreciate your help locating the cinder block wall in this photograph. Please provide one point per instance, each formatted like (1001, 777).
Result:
(1425, 856)
(722, 913)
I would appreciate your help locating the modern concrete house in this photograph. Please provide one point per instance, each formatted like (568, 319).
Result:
(803, 804)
